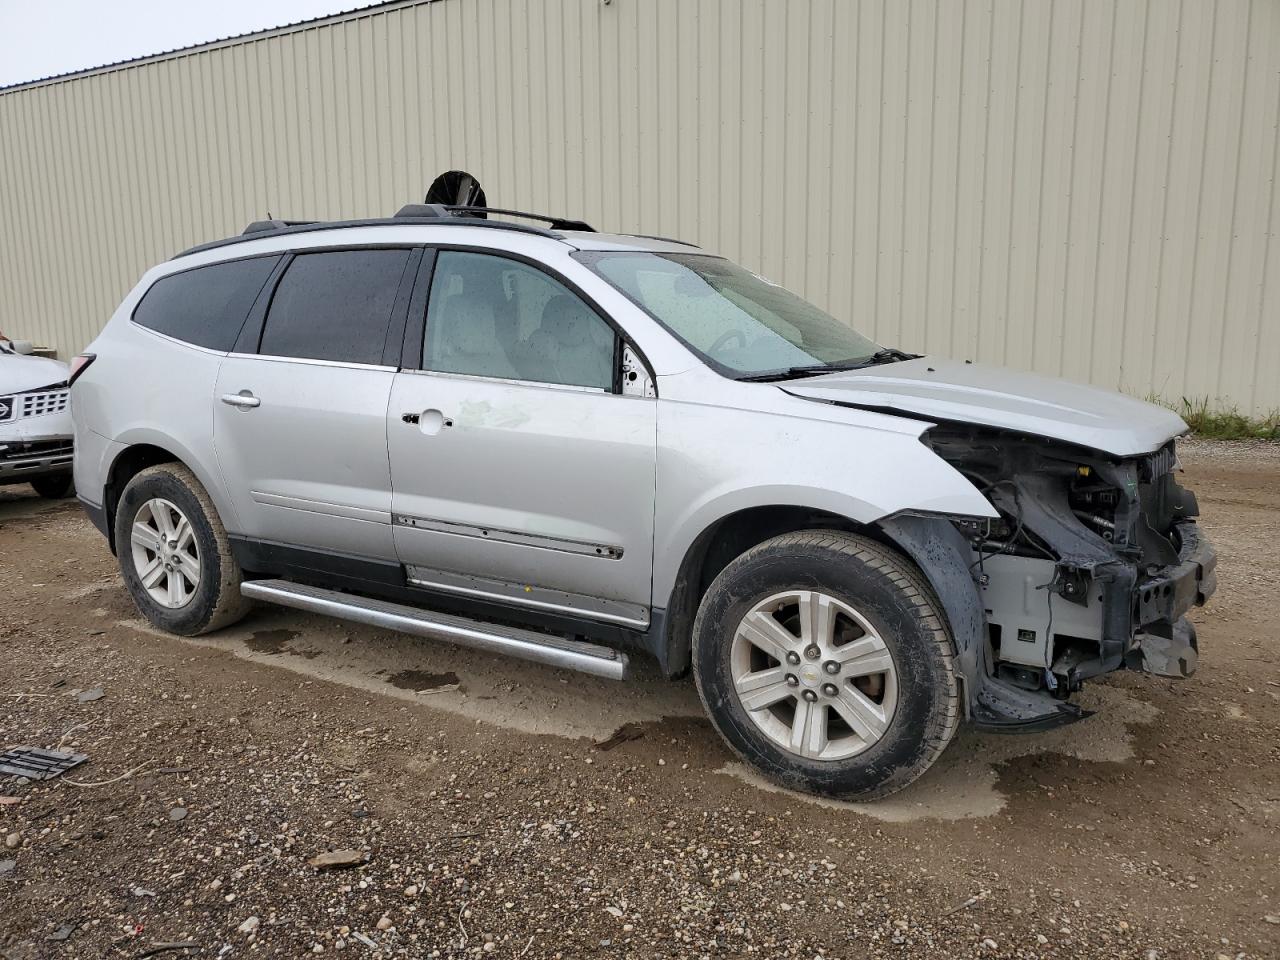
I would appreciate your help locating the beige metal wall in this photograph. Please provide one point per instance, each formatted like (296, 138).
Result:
(1082, 187)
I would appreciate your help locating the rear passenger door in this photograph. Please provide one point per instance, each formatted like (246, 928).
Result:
(522, 472)
(300, 406)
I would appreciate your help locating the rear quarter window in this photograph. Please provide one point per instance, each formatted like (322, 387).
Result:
(206, 306)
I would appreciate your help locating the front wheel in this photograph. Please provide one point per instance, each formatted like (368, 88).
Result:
(174, 553)
(824, 662)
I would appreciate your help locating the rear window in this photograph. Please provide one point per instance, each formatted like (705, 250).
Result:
(205, 306)
(334, 306)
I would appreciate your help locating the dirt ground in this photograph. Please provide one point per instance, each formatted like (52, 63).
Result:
(509, 810)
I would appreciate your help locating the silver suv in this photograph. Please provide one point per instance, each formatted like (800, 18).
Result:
(569, 446)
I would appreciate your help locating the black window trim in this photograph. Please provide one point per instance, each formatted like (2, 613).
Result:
(249, 343)
(268, 283)
(412, 362)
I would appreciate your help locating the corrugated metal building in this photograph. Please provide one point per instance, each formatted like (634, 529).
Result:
(1080, 187)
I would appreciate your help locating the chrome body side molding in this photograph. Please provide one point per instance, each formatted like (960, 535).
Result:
(602, 550)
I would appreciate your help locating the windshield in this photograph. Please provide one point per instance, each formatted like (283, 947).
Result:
(740, 323)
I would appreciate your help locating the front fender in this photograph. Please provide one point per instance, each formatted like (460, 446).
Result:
(714, 462)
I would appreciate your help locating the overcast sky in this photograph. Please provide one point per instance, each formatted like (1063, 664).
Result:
(39, 38)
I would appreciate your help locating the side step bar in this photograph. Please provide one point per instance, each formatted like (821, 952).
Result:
(494, 638)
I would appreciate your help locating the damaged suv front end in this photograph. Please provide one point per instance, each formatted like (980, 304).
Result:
(1091, 566)
(1095, 556)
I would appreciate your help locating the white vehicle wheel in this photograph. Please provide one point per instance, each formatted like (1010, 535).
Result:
(165, 556)
(824, 661)
(814, 675)
(174, 553)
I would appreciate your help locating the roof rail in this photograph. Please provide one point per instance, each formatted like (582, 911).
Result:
(418, 213)
(262, 226)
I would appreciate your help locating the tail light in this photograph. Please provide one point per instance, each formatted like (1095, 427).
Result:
(79, 365)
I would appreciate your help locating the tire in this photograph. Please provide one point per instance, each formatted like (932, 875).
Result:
(213, 600)
(53, 487)
(893, 703)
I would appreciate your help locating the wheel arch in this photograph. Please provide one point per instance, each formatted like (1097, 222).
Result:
(142, 452)
(716, 545)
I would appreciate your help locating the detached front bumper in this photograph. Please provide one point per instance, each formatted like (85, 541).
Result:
(1165, 643)
(1173, 591)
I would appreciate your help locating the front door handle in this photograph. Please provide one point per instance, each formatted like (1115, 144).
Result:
(244, 400)
(429, 422)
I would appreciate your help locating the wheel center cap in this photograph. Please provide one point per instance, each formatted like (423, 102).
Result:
(810, 675)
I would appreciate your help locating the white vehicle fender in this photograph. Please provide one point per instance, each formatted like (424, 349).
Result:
(714, 462)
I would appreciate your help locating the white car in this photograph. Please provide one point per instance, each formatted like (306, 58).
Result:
(35, 421)
(565, 445)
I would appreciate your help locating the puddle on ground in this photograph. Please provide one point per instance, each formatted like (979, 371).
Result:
(270, 641)
(275, 642)
(962, 784)
(419, 681)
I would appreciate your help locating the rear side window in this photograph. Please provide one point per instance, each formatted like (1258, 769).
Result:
(334, 305)
(205, 306)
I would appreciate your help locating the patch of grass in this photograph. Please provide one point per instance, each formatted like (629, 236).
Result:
(1223, 423)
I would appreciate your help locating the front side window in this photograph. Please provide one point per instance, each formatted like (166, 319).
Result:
(742, 324)
(334, 305)
(206, 306)
(489, 316)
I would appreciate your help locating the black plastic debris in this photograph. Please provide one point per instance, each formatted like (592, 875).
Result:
(36, 764)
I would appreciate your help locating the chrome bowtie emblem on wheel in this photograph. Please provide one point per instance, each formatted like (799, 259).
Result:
(814, 675)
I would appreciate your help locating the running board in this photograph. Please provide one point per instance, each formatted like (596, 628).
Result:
(492, 637)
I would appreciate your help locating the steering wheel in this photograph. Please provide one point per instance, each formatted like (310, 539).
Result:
(723, 340)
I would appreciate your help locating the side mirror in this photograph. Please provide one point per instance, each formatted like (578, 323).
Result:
(24, 347)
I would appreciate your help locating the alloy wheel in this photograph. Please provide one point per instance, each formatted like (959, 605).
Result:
(165, 555)
(813, 675)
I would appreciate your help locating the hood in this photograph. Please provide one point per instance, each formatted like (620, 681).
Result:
(961, 392)
(19, 373)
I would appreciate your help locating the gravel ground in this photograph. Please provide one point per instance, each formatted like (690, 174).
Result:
(482, 807)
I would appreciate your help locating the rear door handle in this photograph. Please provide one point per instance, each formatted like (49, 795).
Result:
(245, 400)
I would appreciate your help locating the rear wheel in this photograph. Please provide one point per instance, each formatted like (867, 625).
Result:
(174, 553)
(53, 487)
(823, 661)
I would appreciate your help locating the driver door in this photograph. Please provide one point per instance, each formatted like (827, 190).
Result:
(520, 471)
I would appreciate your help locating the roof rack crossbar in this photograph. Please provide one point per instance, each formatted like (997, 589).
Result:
(556, 223)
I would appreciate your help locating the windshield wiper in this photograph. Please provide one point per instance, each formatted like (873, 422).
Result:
(887, 355)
